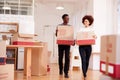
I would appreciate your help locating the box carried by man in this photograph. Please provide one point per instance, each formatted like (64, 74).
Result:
(65, 35)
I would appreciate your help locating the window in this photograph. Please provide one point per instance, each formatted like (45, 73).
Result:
(16, 7)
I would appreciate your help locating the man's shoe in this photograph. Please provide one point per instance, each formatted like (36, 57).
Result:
(85, 75)
(84, 78)
(66, 76)
(61, 73)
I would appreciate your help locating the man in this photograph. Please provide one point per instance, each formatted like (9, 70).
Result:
(64, 49)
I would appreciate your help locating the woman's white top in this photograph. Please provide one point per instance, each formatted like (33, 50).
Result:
(87, 29)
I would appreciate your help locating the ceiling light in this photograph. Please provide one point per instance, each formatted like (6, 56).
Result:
(59, 7)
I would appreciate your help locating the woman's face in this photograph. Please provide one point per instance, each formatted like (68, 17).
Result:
(86, 22)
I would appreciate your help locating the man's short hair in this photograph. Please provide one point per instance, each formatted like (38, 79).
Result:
(64, 15)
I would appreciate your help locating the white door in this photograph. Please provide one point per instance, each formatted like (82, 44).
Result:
(49, 37)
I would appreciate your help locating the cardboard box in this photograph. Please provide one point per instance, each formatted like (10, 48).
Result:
(2, 48)
(39, 60)
(22, 39)
(106, 77)
(7, 72)
(85, 38)
(65, 35)
(5, 38)
(2, 52)
(109, 57)
(22, 43)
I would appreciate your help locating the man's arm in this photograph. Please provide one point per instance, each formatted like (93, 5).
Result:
(56, 32)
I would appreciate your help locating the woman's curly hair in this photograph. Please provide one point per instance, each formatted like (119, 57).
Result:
(89, 18)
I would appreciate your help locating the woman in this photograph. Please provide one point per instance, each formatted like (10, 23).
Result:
(85, 50)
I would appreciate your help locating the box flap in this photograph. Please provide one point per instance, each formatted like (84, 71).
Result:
(26, 35)
(38, 43)
(21, 35)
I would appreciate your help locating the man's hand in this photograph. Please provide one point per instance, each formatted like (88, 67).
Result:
(56, 33)
(73, 43)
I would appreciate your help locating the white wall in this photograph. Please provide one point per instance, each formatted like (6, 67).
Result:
(118, 18)
(105, 18)
(100, 20)
(106, 15)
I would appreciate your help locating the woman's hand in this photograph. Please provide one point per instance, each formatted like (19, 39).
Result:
(94, 36)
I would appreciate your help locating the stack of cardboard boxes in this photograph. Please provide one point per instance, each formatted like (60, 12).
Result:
(110, 55)
(39, 59)
(2, 52)
(22, 39)
(17, 38)
(6, 70)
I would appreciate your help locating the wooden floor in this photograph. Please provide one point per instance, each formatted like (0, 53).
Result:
(54, 75)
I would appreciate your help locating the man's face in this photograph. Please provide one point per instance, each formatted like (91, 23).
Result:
(66, 19)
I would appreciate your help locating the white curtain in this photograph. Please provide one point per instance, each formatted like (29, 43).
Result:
(119, 17)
